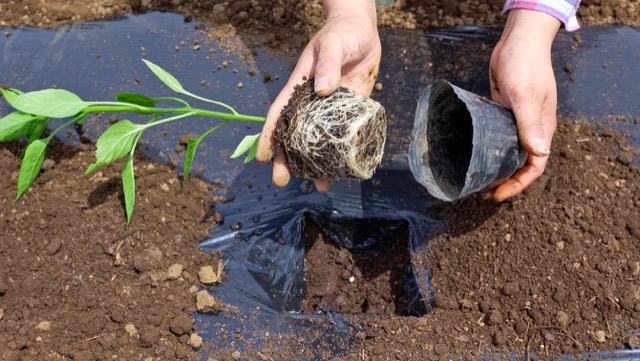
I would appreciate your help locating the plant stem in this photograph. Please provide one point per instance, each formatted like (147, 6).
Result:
(138, 109)
(153, 123)
(76, 119)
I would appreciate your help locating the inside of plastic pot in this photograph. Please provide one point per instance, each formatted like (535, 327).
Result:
(263, 233)
(450, 138)
(442, 141)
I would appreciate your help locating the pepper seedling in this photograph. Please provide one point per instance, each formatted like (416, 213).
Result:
(34, 111)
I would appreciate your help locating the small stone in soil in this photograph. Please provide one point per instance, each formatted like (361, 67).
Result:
(599, 336)
(562, 318)
(207, 276)
(206, 302)
(44, 326)
(131, 329)
(195, 340)
(174, 272)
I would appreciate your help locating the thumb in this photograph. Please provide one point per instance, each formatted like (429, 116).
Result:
(328, 70)
(530, 129)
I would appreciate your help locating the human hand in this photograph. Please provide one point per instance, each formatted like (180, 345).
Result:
(522, 79)
(345, 52)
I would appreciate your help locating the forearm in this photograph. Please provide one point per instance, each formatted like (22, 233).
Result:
(563, 10)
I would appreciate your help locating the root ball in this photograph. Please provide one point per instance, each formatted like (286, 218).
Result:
(338, 136)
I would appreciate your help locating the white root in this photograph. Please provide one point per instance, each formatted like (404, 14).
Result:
(351, 126)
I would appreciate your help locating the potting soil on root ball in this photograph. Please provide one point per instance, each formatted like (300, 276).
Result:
(340, 136)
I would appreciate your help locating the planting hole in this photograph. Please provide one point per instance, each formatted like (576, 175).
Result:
(369, 279)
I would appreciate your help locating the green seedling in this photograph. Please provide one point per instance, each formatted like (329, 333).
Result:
(34, 110)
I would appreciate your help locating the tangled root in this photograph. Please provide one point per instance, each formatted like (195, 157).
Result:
(338, 136)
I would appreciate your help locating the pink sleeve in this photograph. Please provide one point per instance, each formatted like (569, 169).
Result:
(563, 10)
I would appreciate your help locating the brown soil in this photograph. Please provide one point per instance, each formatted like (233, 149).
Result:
(555, 270)
(355, 281)
(76, 282)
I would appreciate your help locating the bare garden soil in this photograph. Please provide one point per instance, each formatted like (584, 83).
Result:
(555, 270)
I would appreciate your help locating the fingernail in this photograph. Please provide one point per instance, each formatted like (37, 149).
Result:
(486, 195)
(540, 146)
(321, 83)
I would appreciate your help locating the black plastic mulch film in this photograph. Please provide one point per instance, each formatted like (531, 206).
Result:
(263, 232)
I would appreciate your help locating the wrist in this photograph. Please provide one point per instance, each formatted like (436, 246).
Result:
(534, 28)
(353, 8)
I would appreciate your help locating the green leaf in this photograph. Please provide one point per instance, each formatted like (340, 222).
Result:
(252, 152)
(116, 142)
(246, 145)
(37, 130)
(10, 94)
(52, 103)
(128, 187)
(168, 79)
(16, 125)
(190, 153)
(31, 164)
(137, 99)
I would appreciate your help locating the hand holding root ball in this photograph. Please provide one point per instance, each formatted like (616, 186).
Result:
(346, 52)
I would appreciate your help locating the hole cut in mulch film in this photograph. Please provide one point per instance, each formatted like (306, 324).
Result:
(366, 278)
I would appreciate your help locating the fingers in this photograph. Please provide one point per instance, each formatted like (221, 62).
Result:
(328, 67)
(322, 185)
(281, 173)
(521, 179)
(332, 57)
(535, 128)
(527, 108)
(326, 71)
(267, 143)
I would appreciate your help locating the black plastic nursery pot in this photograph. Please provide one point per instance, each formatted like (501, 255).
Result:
(265, 248)
(462, 143)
